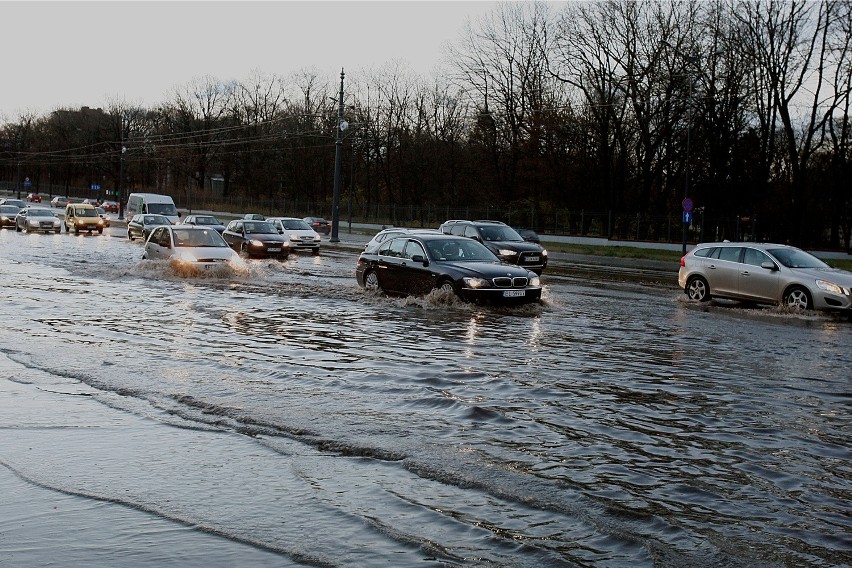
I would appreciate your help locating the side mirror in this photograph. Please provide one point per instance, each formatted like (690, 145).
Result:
(418, 258)
(179, 215)
(769, 266)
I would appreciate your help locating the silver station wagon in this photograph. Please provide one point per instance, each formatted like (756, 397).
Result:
(764, 273)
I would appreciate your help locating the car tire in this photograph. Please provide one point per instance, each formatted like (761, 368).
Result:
(698, 289)
(798, 297)
(371, 281)
(17, 228)
(57, 231)
(100, 231)
(315, 252)
(130, 236)
(447, 285)
(76, 230)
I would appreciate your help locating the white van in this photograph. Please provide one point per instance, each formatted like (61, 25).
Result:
(151, 203)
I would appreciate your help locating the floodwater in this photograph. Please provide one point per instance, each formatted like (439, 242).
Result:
(281, 416)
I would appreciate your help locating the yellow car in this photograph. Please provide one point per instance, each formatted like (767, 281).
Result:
(83, 217)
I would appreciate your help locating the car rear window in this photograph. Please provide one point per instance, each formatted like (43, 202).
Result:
(704, 252)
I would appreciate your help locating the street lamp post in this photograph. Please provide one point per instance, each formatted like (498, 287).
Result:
(694, 61)
(338, 164)
(121, 184)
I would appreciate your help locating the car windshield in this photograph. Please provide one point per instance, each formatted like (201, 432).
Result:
(198, 238)
(207, 221)
(796, 258)
(459, 249)
(259, 228)
(155, 220)
(40, 213)
(85, 212)
(9, 209)
(498, 233)
(162, 209)
(295, 225)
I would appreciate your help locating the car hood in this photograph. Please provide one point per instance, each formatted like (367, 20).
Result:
(299, 233)
(42, 218)
(265, 236)
(225, 253)
(840, 277)
(486, 269)
(520, 246)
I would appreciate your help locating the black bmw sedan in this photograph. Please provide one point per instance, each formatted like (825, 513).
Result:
(415, 264)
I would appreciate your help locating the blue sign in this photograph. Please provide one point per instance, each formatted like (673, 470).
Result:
(96, 187)
(687, 204)
(687, 217)
(27, 183)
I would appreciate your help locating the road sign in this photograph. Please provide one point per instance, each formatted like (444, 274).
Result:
(95, 187)
(687, 217)
(28, 183)
(687, 204)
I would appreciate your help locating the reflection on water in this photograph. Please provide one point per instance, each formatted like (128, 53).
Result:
(599, 428)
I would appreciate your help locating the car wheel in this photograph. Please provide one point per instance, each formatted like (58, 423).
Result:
(798, 298)
(698, 289)
(130, 236)
(100, 231)
(17, 227)
(316, 252)
(447, 286)
(371, 280)
(76, 230)
(57, 231)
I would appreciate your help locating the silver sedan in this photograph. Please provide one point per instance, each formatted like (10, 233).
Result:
(764, 273)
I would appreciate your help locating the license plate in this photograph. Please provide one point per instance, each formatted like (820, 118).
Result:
(532, 259)
(514, 293)
(273, 249)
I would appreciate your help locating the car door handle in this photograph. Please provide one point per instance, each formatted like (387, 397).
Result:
(712, 267)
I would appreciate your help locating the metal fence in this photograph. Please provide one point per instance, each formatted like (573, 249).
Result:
(629, 226)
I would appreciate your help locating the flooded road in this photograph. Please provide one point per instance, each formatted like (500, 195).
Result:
(280, 415)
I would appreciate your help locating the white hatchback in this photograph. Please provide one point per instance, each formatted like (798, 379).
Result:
(300, 235)
(198, 246)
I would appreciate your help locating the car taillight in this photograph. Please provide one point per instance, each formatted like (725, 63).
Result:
(683, 260)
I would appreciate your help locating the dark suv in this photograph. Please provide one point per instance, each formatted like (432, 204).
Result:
(502, 240)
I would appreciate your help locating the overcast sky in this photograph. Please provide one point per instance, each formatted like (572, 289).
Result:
(70, 54)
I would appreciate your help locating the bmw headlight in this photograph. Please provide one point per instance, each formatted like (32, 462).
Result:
(255, 243)
(535, 281)
(475, 282)
(543, 252)
(830, 287)
(507, 252)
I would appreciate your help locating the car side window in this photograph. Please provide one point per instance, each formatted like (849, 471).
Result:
(705, 252)
(755, 257)
(396, 247)
(731, 254)
(470, 232)
(457, 229)
(412, 249)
